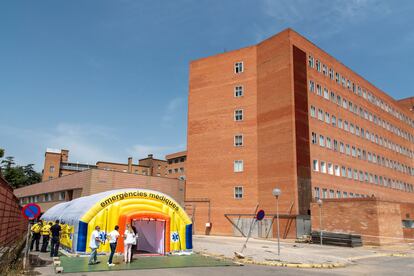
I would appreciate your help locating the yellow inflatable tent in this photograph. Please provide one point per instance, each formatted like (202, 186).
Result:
(160, 222)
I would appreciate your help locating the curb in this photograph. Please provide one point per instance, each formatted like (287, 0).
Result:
(271, 263)
(408, 255)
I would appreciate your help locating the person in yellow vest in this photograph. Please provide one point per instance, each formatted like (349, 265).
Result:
(45, 232)
(36, 235)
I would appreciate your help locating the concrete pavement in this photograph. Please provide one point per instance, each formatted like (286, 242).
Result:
(265, 251)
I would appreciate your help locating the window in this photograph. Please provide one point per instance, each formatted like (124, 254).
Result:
(238, 91)
(318, 65)
(338, 194)
(238, 67)
(52, 169)
(326, 93)
(313, 138)
(313, 111)
(238, 115)
(328, 143)
(238, 165)
(324, 193)
(323, 167)
(311, 61)
(333, 120)
(335, 145)
(341, 147)
(62, 196)
(343, 171)
(345, 194)
(327, 118)
(340, 123)
(315, 165)
(349, 175)
(330, 169)
(311, 86)
(318, 90)
(348, 150)
(238, 140)
(337, 172)
(331, 193)
(238, 192)
(317, 192)
(320, 114)
(321, 141)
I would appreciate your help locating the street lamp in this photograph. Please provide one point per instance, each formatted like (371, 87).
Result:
(320, 218)
(276, 193)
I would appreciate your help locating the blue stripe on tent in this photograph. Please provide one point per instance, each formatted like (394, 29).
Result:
(82, 235)
(189, 236)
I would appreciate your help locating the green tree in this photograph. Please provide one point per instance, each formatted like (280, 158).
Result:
(1, 153)
(19, 176)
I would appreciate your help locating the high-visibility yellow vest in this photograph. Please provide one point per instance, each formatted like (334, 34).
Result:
(36, 228)
(45, 230)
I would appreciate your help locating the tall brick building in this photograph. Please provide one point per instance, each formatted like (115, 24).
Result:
(284, 113)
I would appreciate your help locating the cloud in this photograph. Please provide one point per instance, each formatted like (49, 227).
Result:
(86, 143)
(170, 113)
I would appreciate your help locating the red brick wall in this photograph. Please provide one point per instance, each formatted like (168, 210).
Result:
(12, 223)
(379, 222)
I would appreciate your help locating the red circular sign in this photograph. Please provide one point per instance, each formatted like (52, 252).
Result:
(31, 211)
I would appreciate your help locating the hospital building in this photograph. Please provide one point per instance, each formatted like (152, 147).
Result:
(285, 114)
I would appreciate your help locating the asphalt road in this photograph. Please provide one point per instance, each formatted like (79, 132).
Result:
(394, 266)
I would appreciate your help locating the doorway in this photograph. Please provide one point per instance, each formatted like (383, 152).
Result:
(151, 235)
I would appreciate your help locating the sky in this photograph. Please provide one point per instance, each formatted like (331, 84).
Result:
(109, 79)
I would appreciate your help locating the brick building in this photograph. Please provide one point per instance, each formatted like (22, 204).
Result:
(284, 113)
(92, 181)
(57, 164)
(176, 164)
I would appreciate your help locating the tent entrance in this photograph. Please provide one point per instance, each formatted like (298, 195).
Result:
(151, 235)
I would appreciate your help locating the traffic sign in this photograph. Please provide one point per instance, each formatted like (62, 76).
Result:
(31, 211)
(260, 215)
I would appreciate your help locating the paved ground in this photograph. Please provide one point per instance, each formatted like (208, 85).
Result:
(396, 266)
(265, 250)
(360, 261)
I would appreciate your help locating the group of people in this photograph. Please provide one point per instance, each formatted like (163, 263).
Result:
(130, 243)
(53, 232)
(46, 231)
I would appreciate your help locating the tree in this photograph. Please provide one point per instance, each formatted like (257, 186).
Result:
(19, 176)
(1, 153)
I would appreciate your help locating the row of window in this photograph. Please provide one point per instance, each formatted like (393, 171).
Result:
(357, 89)
(176, 170)
(332, 194)
(359, 111)
(44, 198)
(175, 160)
(362, 154)
(358, 175)
(359, 131)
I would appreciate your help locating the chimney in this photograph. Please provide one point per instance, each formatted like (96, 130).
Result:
(130, 164)
(150, 155)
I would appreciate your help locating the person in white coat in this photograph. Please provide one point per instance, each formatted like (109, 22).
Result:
(129, 240)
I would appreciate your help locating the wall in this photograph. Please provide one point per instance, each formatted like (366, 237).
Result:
(379, 222)
(13, 226)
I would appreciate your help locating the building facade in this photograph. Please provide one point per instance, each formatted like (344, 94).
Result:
(57, 164)
(176, 164)
(92, 181)
(284, 113)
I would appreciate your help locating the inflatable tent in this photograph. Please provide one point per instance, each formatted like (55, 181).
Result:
(161, 223)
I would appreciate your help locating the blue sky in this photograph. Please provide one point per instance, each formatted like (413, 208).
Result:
(109, 79)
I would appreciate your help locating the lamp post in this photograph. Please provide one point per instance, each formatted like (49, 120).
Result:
(320, 218)
(276, 193)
